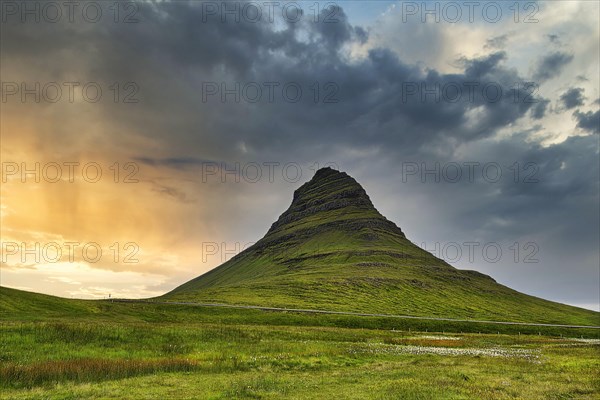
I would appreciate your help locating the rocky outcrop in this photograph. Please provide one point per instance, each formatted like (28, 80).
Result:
(331, 190)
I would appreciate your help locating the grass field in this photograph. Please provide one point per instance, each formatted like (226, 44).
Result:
(71, 349)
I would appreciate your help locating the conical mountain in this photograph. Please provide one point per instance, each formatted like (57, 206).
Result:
(332, 250)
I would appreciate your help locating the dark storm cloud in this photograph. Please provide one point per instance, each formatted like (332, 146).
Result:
(539, 110)
(334, 35)
(551, 65)
(572, 98)
(562, 170)
(589, 121)
(378, 97)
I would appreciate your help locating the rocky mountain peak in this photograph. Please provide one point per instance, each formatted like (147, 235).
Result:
(329, 195)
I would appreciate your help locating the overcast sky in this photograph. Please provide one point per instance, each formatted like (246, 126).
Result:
(474, 128)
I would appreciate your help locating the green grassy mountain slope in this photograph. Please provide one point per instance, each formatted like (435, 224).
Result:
(333, 250)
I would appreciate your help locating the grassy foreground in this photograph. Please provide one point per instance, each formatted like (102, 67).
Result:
(68, 349)
(71, 360)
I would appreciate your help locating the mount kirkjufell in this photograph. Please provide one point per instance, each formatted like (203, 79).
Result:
(332, 250)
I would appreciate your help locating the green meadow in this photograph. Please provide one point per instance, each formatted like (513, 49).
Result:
(52, 348)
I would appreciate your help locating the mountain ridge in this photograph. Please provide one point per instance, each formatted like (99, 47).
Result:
(332, 250)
